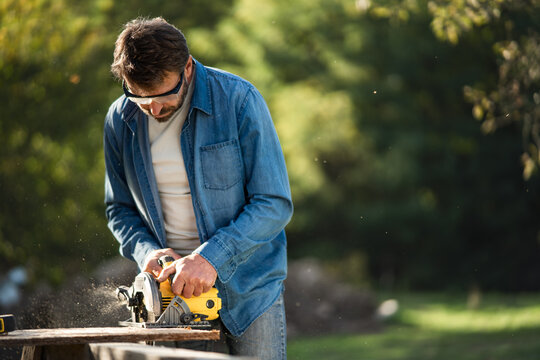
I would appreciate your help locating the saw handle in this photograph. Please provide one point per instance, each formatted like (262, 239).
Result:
(164, 262)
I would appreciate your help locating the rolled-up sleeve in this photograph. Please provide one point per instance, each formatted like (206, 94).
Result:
(124, 219)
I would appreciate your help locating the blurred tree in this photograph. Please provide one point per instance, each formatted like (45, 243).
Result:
(502, 80)
(513, 29)
(50, 168)
(381, 147)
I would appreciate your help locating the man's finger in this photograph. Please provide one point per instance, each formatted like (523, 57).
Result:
(156, 270)
(188, 291)
(177, 285)
(197, 292)
(153, 267)
(165, 273)
(206, 288)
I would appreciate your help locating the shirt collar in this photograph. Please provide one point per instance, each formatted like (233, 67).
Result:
(201, 99)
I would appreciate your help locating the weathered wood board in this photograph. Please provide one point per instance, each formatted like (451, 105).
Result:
(62, 336)
(123, 351)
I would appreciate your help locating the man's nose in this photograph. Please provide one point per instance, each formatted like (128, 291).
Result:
(155, 108)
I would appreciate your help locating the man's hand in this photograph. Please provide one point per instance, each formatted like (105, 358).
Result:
(151, 263)
(194, 275)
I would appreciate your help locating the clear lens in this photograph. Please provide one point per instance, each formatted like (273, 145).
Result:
(140, 101)
(157, 99)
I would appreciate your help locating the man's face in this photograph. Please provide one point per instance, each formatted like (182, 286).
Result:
(162, 112)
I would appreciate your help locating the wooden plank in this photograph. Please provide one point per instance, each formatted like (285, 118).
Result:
(99, 335)
(123, 351)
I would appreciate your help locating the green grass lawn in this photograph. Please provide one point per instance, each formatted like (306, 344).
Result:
(442, 327)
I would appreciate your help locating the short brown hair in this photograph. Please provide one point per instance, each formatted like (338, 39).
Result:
(147, 49)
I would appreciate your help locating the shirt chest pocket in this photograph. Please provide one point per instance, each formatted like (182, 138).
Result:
(221, 165)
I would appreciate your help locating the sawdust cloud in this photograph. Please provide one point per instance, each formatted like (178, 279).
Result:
(84, 305)
(81, 302)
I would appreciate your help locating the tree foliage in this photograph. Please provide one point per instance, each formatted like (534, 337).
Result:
(512, 29)
(375, 105)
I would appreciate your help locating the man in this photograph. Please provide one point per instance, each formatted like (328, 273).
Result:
(194, 170)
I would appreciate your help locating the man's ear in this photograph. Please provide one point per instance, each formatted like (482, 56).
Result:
(189, 68)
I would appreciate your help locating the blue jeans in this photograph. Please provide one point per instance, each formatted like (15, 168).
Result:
(265, 338)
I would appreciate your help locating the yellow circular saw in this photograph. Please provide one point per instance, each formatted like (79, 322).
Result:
(153, 304)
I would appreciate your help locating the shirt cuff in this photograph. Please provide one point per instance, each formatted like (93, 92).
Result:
(219, 257)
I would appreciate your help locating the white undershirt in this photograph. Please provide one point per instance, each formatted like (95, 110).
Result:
(172, 181)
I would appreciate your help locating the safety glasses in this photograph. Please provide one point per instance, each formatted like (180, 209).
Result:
(161, 99)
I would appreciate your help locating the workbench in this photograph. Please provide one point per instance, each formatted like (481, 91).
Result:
(84, 343)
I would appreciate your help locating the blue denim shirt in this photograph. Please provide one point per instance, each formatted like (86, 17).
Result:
(238, 183)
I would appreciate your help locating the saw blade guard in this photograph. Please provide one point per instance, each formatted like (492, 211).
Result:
(146, 284)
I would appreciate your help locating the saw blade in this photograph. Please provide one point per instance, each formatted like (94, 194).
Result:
(146, 285)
